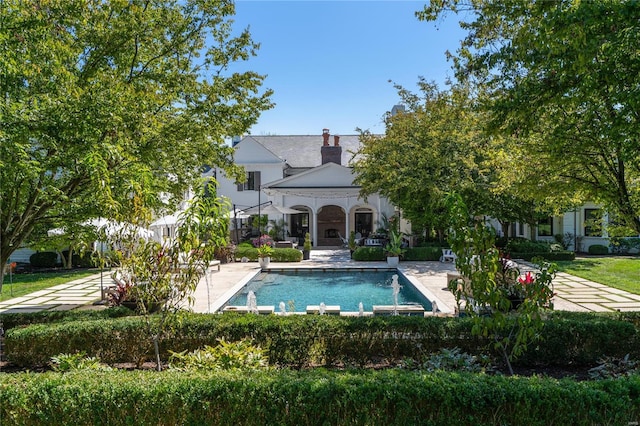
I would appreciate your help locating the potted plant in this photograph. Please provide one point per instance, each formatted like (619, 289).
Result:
(306, 247)
(353, 244)
(264, 255)
(394, 249)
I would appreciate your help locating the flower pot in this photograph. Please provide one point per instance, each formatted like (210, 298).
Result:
(393, 261)
(306, 254)
(264, 262)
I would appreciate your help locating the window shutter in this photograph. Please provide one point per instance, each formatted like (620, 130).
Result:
(240, 186)
(256, 181)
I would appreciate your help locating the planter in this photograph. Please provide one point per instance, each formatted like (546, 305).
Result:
(264, 262)
(393, 261)
(306, 254)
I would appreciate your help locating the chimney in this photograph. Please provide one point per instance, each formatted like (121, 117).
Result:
(325, 137)
(330, 154)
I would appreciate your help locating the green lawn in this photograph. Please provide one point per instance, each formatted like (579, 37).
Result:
(28, 283)
(621, 272)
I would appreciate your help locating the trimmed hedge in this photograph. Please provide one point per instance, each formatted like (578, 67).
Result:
(553, 255)
(369, 254)
(279, 254)
(423, 253)
(393, 397)
(44, 259)
(598, 249)
(298, 341)
(11, 320)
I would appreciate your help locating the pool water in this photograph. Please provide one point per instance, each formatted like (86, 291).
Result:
(346, 288)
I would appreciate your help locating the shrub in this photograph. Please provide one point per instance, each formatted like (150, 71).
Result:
(279, 254)
(241, 355)
(87, 260)
(369, 254)
(423, 253)
(523, 245)
(598, 249)
(74, 362)
(393, 397)
(622, 245)
(553, 255)
(577, 339)
(44, 259)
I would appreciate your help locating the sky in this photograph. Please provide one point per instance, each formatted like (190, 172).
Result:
(330, 63)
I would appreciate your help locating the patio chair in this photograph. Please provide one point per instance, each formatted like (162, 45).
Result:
(345, 242)
(448, 256)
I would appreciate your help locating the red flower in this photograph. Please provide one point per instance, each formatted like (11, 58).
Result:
(528, 279)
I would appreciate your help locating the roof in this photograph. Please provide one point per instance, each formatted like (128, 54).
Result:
(304, 150)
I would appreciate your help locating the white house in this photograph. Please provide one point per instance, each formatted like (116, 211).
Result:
(306, 173)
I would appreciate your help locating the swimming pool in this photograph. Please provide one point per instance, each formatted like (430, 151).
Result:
(346, 288)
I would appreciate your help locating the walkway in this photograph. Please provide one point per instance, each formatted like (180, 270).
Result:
(573, 293)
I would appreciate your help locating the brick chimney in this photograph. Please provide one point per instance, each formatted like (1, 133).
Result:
(330, 154)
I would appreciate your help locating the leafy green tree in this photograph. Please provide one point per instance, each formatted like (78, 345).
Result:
(437, 146)
(425, 152)
(562, 80)
(487, 282)
(107, 104)
(163, 276)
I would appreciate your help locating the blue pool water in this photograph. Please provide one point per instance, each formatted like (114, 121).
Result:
(346, 288)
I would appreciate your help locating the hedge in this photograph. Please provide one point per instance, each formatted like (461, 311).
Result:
(279, 254)
(598, 249)
(10, 320)
(553, 255)
(369, 254)
(393, 397)
(422, 253)
(298, 341)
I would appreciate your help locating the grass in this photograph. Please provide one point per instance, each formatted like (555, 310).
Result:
(622, 272)
(28, 283)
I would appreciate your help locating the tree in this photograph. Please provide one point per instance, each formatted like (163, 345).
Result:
(439, 146)
(165, 275)
(109, 104)
(562, 79)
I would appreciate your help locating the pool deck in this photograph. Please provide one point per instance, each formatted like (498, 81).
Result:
(573, 293)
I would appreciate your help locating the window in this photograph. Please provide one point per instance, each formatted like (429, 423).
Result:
(593, 223)
(545, 227)
(251, 183)
(520, 229)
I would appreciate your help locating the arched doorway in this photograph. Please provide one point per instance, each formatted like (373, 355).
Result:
(331, 225)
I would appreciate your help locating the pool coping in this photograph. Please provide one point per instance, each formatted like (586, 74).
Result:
(442, 308)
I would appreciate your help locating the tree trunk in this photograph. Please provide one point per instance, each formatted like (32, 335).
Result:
(156, 348)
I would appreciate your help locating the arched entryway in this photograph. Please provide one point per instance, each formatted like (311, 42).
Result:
(331, 225)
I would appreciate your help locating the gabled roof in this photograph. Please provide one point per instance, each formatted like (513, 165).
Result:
(251, 151)
(325, 181)
(303, 151)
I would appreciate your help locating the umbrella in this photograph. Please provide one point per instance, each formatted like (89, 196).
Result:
(272, 209)
(109, 227)
(237, 214)
(168, 220)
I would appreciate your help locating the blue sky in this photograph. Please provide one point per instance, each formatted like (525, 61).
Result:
(330, 62)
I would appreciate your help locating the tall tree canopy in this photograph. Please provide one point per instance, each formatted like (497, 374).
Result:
(109, 104)
(563, 79)
(436, 147)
